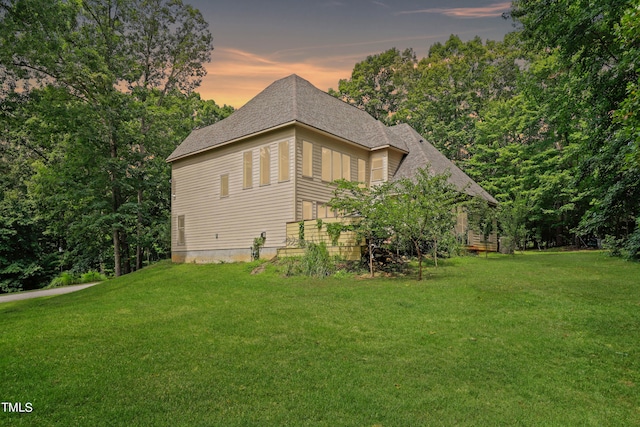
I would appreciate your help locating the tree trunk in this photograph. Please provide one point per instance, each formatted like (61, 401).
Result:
(486, 247)
(126, 254)
(371, 256)
(415, 243)
(435, 252)
(139, 231)
(115, 200)
(116, 253)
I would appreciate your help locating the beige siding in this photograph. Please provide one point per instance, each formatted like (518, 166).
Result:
(213, 222)
(315, 189)
(395, 157)
(474, 241)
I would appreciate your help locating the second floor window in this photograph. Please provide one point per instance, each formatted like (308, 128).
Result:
(362, 171)
(247, 176)
(377, 170)
(335, 165)
(265, 165)
(283, 161)
(224, 185)
(307, 159)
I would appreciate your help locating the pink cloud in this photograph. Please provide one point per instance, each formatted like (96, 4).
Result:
(235, 76)
(488, 11)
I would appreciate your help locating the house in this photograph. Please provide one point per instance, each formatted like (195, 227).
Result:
(269, 164)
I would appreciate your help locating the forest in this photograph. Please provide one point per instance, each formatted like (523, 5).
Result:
(94, 96)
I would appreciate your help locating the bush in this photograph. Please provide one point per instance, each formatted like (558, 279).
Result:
(613, 245)
(290, 266)
(67, 278)
(316, 261)
(92, 276)
(64, 279)
(632, 245)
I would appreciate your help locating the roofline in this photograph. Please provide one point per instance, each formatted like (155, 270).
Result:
(383, 147)
(231, 141)
(283, 125)
(347, 141)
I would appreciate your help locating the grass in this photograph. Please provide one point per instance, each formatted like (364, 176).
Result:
(535, 339)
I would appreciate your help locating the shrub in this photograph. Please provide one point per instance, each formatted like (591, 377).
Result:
(64, 279)
(290, 266)
(613, 245)
(67, 278)
(632, 245)
(316, 261)
(92, 276)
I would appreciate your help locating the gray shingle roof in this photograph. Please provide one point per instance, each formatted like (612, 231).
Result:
(292, 99)
(422, 153)
(295, 100)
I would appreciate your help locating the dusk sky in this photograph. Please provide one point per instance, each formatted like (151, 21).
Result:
(259, 41)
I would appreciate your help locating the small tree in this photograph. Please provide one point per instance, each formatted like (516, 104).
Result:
(370, 206)
(423, 212)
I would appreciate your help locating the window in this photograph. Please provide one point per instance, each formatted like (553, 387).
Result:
(346, 167)
(181, 230)
(265, 165)
(377, 169)
(362, 171)
(325, 211)
(247, 176)
(283, 161)
(335, 165)
(307, 159)
(307, 210)
(224, 185)
(326, 164)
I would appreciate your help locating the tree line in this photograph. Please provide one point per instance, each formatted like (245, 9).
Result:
(545, 120)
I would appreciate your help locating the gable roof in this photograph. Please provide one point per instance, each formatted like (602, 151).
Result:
(422, 153)
(289, 100)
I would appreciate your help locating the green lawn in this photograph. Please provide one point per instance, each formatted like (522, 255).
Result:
(535, 339)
